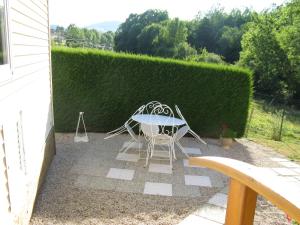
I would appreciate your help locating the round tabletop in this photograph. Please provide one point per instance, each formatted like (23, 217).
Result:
(158, 120)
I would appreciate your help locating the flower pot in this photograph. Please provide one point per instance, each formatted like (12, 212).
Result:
(226, 142)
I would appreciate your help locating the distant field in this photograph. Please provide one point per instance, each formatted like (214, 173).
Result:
(264, 128)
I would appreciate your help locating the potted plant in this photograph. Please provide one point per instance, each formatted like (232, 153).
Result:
(227, 136)
(293, 222)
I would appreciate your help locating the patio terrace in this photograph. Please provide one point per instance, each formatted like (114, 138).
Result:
(91, 183)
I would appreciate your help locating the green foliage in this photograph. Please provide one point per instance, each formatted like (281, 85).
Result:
(109, 87)
(157, 35)
(288, 36)
(220, 32)
(264, 127)
(263, 54)
(206, 56)
(75, 36)
(271, 48)
(126, 37)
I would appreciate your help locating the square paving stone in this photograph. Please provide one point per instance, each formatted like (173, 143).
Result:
(186, 164)
(211, 212)
(285, 171)
(132, 144)
(121, 174)
(275, 159)
(193, 151)
(128, 157)
(197, 220)
(219, 199)
(201, 181)
(289, 164)
(158, 189)
(297, 170)
(160, 168)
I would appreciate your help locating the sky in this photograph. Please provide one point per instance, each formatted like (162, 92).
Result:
(87, 12)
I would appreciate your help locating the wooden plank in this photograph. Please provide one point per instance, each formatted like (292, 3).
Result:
(285, 195)
(20, 39)
(38, 6)
(23, 18)
(34, 68)
(20, 61)
(28, 31)
(241, 204)
(25, 9)
(21, 50)
(43, 4)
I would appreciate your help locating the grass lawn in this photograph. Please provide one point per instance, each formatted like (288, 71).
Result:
(264, 128)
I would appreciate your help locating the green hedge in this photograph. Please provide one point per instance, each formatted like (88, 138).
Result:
(109, 87)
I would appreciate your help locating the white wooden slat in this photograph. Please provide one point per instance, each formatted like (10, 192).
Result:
(28, 60)
(25, 19)
(41, 4)
(19, 50)
(29, 25)
(34, 68)
(32, 5)
(22, 7)
(23, 29)
(18, 39)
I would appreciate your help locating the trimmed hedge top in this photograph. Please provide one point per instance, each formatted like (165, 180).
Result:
(110, 86)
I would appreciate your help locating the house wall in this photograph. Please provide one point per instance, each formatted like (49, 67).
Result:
(26, 117)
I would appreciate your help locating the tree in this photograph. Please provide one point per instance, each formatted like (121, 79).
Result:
(107, 39)
(126, 37)
(148, 39)
(271, 49)
(219, 32)
(263, 54)
(288, 36)
(206, 56)
(74, 36)
(229, 43)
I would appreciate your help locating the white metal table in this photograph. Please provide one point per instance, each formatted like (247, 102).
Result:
(159, 120)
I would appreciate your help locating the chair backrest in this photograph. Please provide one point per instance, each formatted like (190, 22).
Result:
(131, 132)
(138, 111)
(149, 130)
(150, 106)
(169, 127)
(181, 132)
(180, 114)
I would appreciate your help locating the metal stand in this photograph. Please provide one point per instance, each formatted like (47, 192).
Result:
(78, 138)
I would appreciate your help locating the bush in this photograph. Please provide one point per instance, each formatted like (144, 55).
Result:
(208, 57)
(109, 87)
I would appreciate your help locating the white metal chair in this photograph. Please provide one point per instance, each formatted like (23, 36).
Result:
(189, 130)
(127, 127)
(150, 106)
(162, 135)
(180, 134)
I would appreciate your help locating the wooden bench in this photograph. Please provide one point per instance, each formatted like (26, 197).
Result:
(246, 181)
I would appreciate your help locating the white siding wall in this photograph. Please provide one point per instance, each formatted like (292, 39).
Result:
(25, 100)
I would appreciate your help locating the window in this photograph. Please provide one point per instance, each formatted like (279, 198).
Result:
(3, 34)
(4, 53)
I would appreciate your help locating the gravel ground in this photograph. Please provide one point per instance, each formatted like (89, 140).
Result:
(61, 203)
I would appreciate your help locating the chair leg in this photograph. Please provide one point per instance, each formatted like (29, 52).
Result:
(149, 149)
(173, 151)
(182, 149)
(170, 155)
(124, 150)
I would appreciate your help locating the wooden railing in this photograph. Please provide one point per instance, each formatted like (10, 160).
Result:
(246, 181)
